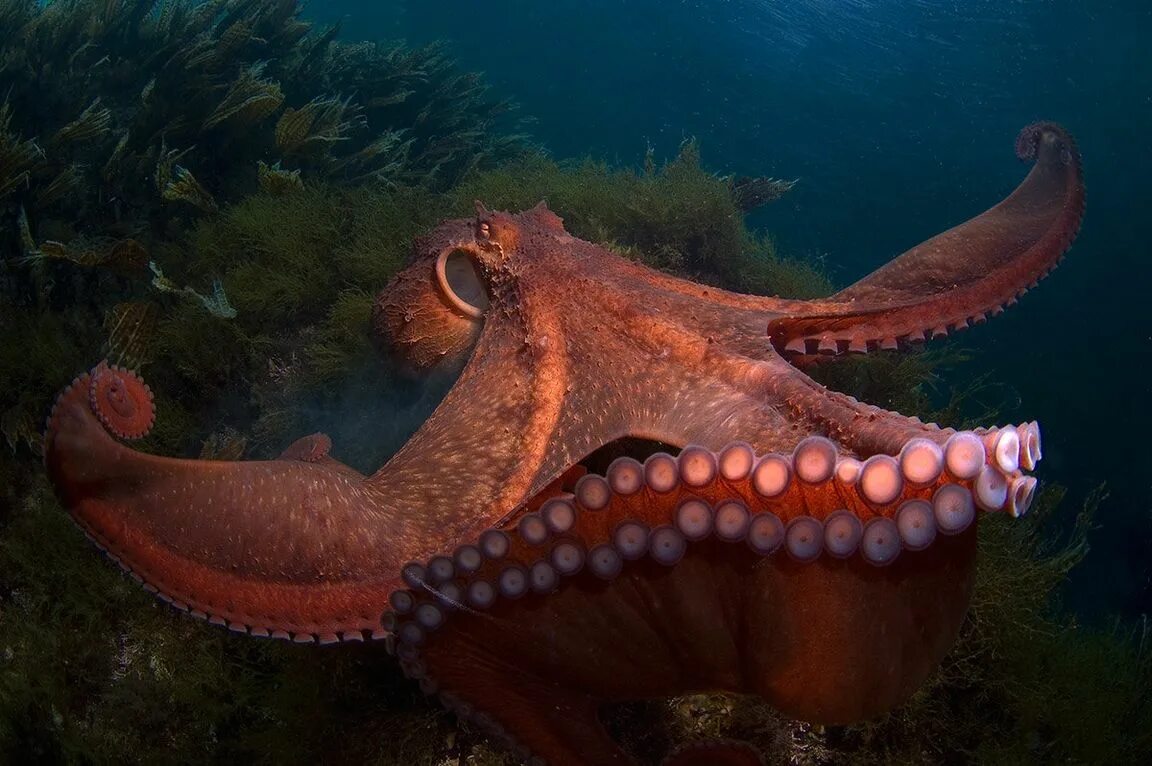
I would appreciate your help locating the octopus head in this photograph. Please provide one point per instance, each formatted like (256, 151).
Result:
(430, 315)
(499, 235)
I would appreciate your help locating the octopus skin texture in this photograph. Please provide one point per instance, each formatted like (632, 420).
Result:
(801, 545)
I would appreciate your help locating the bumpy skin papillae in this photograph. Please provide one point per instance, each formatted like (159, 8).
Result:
(577, 348)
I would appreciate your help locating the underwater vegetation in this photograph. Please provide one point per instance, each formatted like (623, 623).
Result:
(213, 191)
(124, 122)
(121, 119)
(204, 100)
(675, 217)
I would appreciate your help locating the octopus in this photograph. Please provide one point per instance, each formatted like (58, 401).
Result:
(786, 541)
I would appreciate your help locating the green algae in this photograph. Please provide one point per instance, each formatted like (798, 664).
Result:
(677, 218)
(119, 95)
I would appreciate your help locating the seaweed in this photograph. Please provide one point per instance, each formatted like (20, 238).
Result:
(97, 92)
(125, 123)
(678, 217)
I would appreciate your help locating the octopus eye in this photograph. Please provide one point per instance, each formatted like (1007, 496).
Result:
(460, 282)
(483, 230)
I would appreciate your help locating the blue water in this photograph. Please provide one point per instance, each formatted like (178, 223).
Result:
(899, 118)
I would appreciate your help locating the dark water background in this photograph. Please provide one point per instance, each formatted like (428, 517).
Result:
(899, 118)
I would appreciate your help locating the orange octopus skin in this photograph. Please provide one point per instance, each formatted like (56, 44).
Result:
(803, 546)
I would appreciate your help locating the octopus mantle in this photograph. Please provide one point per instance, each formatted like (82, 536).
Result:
(801, 545)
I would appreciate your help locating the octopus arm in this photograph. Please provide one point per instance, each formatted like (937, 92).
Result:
(300, 547)
(959, 277)
(293, 547)
(768, 404)
(702, 572)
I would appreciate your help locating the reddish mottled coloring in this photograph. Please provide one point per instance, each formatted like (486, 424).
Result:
(122, 401)
(806, 547)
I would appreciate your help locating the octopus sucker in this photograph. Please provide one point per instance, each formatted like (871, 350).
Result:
(787, 541)
(606, 552)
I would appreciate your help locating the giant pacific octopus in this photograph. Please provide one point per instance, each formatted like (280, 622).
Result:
(801, 545)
